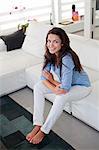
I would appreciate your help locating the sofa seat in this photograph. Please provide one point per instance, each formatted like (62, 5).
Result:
(12, 69)
(87, 109)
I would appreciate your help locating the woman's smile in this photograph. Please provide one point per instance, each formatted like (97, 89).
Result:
(52, 50)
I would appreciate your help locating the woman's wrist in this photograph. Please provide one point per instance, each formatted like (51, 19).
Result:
(52, 81)
(56, 83)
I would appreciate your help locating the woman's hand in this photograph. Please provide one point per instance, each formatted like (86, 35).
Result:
(55, 89)
(59, 91)
(48, 75)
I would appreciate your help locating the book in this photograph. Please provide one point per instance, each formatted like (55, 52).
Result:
(66, 22)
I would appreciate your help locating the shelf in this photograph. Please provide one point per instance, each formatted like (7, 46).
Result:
(76, 26)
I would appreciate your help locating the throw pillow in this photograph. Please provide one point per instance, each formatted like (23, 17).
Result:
(14, 40)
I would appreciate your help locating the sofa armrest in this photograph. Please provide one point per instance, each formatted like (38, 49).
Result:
(3, 46)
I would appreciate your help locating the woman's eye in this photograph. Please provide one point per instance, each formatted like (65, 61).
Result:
(48, 41)
(56, 42)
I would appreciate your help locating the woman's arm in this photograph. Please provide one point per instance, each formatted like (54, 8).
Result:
(50, 78)
(56, 83)
(53, 85)
(53, 88)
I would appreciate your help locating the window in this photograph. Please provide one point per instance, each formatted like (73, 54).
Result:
(20, 11)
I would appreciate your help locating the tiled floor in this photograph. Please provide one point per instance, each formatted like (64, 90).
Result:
(16, 123)
(75, 132)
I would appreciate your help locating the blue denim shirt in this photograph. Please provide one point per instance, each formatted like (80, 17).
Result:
(69, 77)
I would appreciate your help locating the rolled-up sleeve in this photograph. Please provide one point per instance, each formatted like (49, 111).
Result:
(48, 68)
(67, 72)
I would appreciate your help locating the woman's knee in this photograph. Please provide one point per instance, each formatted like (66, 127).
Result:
(40, 87)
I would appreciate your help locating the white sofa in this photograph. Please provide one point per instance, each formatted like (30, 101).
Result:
(2, 46)
(22, 67)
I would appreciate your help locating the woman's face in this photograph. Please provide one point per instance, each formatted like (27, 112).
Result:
(54, 43)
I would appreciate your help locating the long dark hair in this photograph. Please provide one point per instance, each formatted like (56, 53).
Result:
(65, 49)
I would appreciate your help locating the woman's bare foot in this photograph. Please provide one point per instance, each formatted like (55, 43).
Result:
(30, 136)
(38, 137)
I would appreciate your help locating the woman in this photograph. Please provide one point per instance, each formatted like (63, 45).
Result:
(72, 82)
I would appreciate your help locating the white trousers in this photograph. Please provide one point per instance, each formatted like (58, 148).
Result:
(40, 90)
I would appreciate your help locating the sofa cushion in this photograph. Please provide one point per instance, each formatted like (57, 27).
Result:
(16, 60)
(33, 74)
(34, 42)
(93, 74)
(14, 40)
(87, 49)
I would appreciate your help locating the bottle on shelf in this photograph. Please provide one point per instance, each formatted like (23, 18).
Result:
(75, 14)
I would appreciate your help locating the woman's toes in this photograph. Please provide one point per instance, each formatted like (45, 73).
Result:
(30, 136)
(38, 137)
